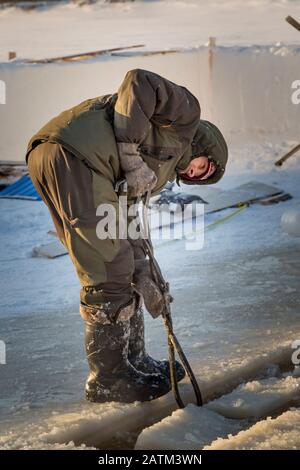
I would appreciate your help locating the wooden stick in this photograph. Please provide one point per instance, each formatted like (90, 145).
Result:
(211, 45)
(146, 53)
(287, 155)
(293, 22)
(80, 56)
(12, 55)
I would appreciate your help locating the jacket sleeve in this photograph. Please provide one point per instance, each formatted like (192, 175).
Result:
(145, 96)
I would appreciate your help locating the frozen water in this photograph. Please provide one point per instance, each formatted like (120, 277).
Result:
(68, 28)
(282, 433)
(258, 398)
(193, 428)
(237, 304)
(188, 429)
(66, 428)
(249, 263)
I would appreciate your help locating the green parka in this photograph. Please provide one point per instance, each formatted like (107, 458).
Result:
(160, 116)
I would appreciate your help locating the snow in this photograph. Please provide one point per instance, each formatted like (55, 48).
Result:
(236, 309)
(227, 342)
(39, 424)
(243, 72)
(69, 28)
(258, 398)
(188, 429)
(65, 427)
(193, 428)
(282, 433)
(257, 71)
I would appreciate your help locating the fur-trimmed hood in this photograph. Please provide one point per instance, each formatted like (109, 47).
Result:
(208, 141)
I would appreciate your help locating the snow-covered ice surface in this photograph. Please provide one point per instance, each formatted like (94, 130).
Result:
(160, 25)
(257, 398)
(282, 433)
(236, 299)
(237, 305)
(290, 222)
(193, 428)
(186, 429)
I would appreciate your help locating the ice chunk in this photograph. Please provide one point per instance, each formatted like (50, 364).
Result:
(257, 398)
(282, 433)
(188, 428)
(32, 437)
(290, 222)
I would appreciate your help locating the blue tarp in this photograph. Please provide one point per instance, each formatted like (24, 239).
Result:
(21, 189)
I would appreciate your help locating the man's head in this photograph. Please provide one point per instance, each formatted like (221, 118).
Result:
(204, 161)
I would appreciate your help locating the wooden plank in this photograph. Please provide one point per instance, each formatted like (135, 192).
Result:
(50, 250)
(144, 53)
(81, 56)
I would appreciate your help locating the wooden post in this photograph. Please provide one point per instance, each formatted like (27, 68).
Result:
(12, 55)
(211, 45)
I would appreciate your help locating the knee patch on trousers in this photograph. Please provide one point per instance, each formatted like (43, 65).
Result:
(109, 312)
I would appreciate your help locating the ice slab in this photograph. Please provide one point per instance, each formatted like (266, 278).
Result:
(193, 427)
(82, 426)
(217, 201)
(190, 428)
(258, 398)
(50, 250)
(246, 193)
(290, 222)
(98, 425)
(282, 433)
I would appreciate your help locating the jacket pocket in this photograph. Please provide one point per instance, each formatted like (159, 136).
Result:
(163, 169)
(163, 154)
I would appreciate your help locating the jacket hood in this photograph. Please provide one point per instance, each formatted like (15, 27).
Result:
(208, 141)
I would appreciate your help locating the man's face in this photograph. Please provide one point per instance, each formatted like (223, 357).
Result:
(200, 167)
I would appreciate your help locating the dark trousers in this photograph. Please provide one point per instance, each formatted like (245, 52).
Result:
(72, 192)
